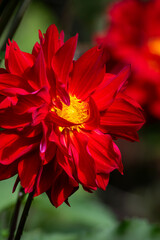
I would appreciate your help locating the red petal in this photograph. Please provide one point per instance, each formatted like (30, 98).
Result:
(51, 44)
(35, 99)
(85, 165)
(61, 39)
(2, 71)
(13, 146)
(88, 72)
(46, 178)
(37, 74)
(17, 61)
(7, 171)
(43, 143)
(7, 54)
(60, 121)
(39, 114)
(6, 102)
(58, 139)
(105, 153)
(11, 81)
(61, 189)
(47, 148)
(102, 181)
(107, 91)
(28, 170)
(94, 118)
(62, 93)
(9, 119)
(62, 61)
(123, 118)
(36, 49)
(68, 165)
(13, 91)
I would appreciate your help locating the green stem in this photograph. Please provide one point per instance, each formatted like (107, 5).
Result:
(20, 9)
(24, 216)
(14, 219)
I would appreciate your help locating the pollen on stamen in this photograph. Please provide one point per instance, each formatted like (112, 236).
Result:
(77, 112)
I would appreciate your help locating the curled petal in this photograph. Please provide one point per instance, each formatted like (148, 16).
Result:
(59, 121)
(33, 100)
(58, 139)
(43, 143)
(47, 148)
(62, 93)
(46, 178)
(6, 102)
(10, 120)
(107, 91)
(67, 163)
(39, 114)
(85, 165)
(61, 189)
(94, 118)
(123, 118)
(12, 147)
(105, 153)
(29, 168)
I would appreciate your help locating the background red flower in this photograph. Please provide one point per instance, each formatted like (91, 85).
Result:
(133, 37)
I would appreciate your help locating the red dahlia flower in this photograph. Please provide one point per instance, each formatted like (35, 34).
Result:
(59, 117)
(133, 37)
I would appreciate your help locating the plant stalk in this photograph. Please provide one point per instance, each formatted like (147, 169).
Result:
(24, 216)
(16, 213)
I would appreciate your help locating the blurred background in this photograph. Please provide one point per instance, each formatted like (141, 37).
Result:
(130, 206)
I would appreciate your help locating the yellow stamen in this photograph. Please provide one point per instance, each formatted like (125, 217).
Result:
(77, 113)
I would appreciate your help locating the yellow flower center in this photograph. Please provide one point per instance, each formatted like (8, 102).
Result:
(77, 112)
(154, 46)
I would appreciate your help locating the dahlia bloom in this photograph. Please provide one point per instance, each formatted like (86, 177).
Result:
(59, 117)
(133, 37)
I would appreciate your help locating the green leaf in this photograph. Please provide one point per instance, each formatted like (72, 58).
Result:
(86, 219)
(7, 198)
(138, 229)
(2, 55)
(38, 16)
(134, 229)
(38, 235)
(86, 213)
